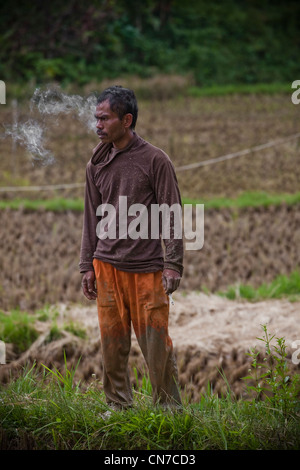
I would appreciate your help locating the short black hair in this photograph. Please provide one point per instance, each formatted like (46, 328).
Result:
(122, 101)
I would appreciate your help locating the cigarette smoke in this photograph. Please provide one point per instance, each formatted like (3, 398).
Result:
(30, 134)
(54, 102)
(50, 103)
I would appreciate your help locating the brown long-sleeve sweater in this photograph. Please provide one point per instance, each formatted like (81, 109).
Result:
(145, 175)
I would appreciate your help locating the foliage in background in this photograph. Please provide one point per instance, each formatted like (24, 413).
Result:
(17, 327)
(218, 42)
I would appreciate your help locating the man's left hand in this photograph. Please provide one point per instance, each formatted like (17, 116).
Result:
(171, 280)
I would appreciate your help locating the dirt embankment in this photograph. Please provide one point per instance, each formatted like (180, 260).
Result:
(210, 335)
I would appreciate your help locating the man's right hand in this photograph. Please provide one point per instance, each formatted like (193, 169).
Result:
(88, 285)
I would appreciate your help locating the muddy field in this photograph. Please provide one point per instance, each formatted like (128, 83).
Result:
(40, 266)
(188, 129)
(210, 335)
(39, 251)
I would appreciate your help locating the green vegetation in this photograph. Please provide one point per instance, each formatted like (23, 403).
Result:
(216, 42)
(54, 333)
(241, 89)
(17, 328)
(246, 199)
(47, 409)
(271, 377)
(55, 204)
(75, 329)
(281, 287)
(199, 49)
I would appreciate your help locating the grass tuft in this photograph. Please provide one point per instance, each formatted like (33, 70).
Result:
(247, 199)
(17, 328)
(282, 286)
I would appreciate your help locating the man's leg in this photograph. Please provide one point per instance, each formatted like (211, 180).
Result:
(115, 332)
(150, 314)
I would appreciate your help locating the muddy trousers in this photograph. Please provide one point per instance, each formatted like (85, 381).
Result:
(136, 299)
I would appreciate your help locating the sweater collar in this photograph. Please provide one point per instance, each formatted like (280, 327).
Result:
(101, 151)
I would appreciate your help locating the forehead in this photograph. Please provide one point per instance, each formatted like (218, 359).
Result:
(104, 108)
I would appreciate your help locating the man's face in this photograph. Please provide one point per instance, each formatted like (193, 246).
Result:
(110, 128)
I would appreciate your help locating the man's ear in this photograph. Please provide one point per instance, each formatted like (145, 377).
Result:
(127, 120)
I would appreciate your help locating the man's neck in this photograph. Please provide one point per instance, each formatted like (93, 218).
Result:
(122, 143)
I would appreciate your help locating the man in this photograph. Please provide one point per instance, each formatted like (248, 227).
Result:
(129, 275)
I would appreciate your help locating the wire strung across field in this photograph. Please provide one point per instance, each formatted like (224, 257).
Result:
(238, 154)
(180, 168)
(48, 187)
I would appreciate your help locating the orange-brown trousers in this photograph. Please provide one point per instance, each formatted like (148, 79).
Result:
(126, 298)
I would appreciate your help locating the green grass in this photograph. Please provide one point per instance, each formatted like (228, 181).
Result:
(246, 199)
(48, 410)
(55, 204)
(281, 287)
(223, 90)
(17, 328)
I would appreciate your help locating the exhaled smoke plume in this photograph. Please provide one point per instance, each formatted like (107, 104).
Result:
(53, 102)
(50, 102)
(30, 134)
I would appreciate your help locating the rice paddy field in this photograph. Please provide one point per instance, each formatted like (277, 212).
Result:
(245, 276)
